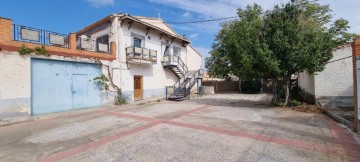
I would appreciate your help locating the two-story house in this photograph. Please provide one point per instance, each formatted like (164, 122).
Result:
(147, 59)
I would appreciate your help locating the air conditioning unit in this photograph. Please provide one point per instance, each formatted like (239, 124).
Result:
(85, 43)
(84, 37)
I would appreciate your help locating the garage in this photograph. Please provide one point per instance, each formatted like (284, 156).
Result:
(58, 86)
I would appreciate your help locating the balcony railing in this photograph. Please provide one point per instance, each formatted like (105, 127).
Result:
(92, 45)
(173, 60)
(39, 36)
(141, 55)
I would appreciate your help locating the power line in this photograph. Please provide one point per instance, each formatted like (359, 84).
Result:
(202, 21)
(223, 18)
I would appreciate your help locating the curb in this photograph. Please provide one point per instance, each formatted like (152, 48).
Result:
(8, 122)
(340, 119)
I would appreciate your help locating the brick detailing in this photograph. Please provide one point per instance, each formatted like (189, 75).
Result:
(355, 53)
(346, 145)
(129, 116)
(7, 44)
(105, 140)
(282, 141)
(343, 138)
(86, 147)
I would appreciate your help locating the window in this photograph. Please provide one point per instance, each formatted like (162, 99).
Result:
(177, 51)
(137, 42)
(166, 52)
(102, 43)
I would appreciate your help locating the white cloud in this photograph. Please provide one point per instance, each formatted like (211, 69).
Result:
(194, 36)
(182, 27)
(187, 14)
(211, 9)
(207, 9)
(101, 3)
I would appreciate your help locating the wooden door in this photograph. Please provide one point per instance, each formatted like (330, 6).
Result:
(138, 88)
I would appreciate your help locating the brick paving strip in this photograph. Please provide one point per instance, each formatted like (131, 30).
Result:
(350, 147)
(342, 138)
(105, 140)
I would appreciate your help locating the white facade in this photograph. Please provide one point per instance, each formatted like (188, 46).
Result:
(155, 76)
(332, 87)
(15, 80)
(15, 69)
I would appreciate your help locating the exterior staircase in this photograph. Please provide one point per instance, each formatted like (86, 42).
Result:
(187, 79)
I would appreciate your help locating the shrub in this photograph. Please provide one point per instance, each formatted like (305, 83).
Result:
(23, 50)
(277, 103)
(251, 86)
(120, 101)
(294, 103)
(41, 51)
(102, 80)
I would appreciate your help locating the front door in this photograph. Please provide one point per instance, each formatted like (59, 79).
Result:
(138, 88)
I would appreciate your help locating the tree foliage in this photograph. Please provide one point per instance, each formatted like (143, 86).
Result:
(276, 44)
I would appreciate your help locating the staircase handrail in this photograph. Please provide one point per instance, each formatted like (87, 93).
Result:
(182, 64)
(192, 79)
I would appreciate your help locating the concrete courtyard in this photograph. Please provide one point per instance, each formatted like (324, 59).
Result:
(222, 127)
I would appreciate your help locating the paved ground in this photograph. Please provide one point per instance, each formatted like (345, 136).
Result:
(225, 127)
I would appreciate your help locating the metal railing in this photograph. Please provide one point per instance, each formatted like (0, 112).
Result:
(141, 54)
(91, 45)
(173, 60)
(184, 85)
(39, 36)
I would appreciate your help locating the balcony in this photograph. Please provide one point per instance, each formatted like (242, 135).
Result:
(141, 55)
(13, 37)
(99, 44)
(39, 36)
(175, 63)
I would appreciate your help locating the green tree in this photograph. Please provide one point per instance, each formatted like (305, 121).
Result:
(276, 44)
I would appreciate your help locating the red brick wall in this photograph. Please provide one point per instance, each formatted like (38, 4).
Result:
(7, 44)
(356, 53)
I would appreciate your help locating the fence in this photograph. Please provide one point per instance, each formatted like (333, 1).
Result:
(39, 36)
(223, 86)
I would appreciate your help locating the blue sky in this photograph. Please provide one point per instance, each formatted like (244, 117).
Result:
(65, 16)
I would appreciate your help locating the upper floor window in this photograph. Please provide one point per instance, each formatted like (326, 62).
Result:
(137, 42)
(177, 51)
(102, 43)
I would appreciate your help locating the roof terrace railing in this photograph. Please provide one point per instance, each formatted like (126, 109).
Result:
(39, 36)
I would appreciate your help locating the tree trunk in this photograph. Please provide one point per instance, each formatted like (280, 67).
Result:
(118, 90)
(288, 87)
(275, 90)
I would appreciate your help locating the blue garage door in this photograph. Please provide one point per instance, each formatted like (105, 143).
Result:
(58, 86)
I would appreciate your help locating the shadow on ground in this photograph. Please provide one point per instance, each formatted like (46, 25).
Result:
(235, 100)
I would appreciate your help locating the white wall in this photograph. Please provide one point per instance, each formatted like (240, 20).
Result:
(155, 76)
(193, 58)
(15, 80)
(306, 82)
(15, 89)
(337, 77)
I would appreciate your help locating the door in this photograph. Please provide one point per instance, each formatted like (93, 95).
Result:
(138, 88)
(79, 91)
(58, 86)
